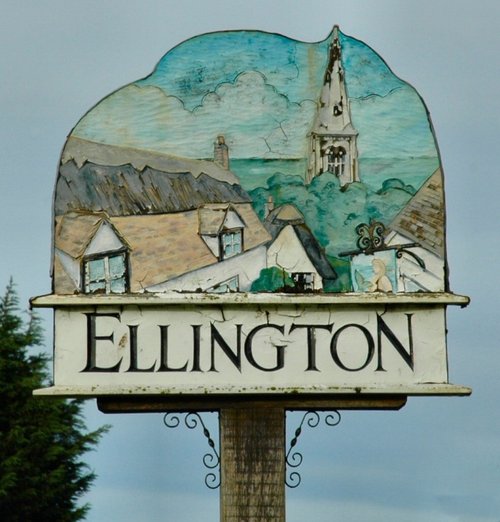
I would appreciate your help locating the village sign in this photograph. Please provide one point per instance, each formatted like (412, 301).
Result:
(258, 217)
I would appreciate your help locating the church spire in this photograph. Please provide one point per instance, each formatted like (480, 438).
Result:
(333, 138)
(334, 54)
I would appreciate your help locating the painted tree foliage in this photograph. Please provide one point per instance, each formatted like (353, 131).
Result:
(42, 441)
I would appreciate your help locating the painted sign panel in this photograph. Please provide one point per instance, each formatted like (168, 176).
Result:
(252, 162)
(270, 349)
(247, 167)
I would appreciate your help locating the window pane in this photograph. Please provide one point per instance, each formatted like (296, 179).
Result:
(118, 286)
(96, 270)
(231, 242)
(233, 284)
(116, 266)
(94, 287)
(106, 274)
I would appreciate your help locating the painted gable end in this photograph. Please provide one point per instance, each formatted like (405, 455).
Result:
(287, 252)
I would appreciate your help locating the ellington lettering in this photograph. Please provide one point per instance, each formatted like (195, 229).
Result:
(242, 347)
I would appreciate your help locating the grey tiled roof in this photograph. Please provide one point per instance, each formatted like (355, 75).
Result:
(124, 182)
(422, 220)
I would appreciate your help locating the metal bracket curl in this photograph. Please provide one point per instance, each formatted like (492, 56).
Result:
(418, 259)
(294, 459)
(211, 460)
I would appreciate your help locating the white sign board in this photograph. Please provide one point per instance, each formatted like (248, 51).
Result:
(251, 349)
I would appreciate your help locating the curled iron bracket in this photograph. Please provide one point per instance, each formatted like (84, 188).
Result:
(211, 460)
(402, 250)
(294, 459)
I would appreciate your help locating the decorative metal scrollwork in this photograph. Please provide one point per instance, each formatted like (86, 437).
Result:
(211, 460)
(294, 458)
(418, 259)
(371, 239)
(370, 236)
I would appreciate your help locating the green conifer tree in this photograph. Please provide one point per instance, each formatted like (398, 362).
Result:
(42, 440)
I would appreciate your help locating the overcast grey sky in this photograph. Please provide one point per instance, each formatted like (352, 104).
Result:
(436, 460)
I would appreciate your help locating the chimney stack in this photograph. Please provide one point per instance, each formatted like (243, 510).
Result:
(269, 206)
(221, 152)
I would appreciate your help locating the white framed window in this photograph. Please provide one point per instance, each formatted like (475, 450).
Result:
(230, 285)
(231, 243)
(106, 274)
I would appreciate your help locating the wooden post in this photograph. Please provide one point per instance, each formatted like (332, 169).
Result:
(252, 464)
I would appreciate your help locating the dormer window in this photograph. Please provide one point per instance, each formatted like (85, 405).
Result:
(104, 264)
(221, 228)
(106, 274)
(231, 242)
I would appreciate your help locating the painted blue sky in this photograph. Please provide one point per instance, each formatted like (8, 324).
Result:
(260, 91)
(201, 64)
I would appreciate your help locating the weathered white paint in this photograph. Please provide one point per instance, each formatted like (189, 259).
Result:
(363, 392)
(70, 265)
(411, 277)
(246, 266)
(213, 243)
(104, 240)
(287, 252)
(261, 299)
(351, 326)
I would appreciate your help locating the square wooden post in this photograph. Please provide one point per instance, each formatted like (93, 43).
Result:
(252, 464)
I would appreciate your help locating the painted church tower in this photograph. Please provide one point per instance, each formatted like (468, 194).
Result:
(333, 138)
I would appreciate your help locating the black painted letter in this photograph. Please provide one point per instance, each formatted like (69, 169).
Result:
(382, 328)
(369, 341)
(134, 366)
(235, 358)
(280, 350)
(92, 339)
(311, 342)
(196, 347)
(164, 367)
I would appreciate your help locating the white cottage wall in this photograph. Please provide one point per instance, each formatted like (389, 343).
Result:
(287, 252)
